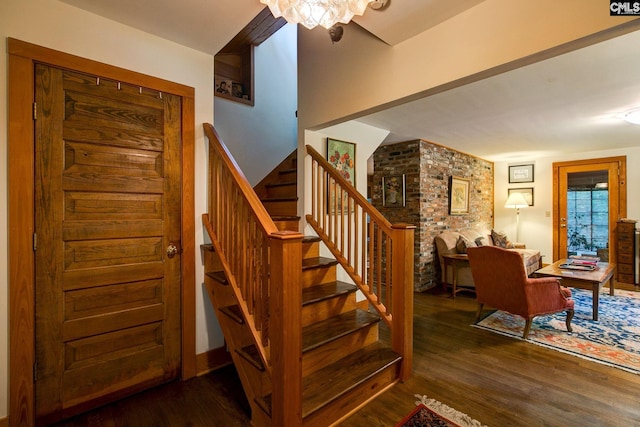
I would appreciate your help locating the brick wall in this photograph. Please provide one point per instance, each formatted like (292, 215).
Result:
(427, 168)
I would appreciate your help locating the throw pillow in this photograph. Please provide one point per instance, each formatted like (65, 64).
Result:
(500, 239)
(462, 244)
(481, 241)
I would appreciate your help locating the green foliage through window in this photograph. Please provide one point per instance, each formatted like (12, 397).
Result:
(587, 220)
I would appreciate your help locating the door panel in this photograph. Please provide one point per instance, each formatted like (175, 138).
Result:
(108, 203)
(616, 172)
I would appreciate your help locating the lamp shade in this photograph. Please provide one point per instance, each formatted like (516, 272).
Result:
(311, 13)
(516, 201)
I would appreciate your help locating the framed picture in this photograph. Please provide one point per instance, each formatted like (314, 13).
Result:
(393, 191)
(223, 87)
(236, 90)
(458, 195)
(527, 193)
(520, 173)
(342, 156)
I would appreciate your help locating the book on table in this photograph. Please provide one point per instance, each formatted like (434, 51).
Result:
(581, 262)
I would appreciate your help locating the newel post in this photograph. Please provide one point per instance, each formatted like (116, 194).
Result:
(286, 328)
(402, 295)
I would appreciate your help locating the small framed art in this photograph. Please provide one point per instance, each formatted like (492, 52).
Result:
(393, 191)
(520, 173)
(458, 195)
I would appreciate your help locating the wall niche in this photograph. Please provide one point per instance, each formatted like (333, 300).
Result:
(233, 65)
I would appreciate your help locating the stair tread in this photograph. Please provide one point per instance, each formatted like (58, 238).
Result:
(317, 262)
(325, 291)
(219, 276)
(251, 354)
(310, 239)
(331, 382)
(234, 312)
(285, 171)
(279, 199)
(285, 218)
(281, 184)
(324, 331)
(208, 247)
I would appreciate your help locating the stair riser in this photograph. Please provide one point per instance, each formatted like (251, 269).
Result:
(329, 353)
(325, 309)
(212, 260)
(287, 225)
(282, 208)
(290, 190)
(314, 276)
(223, 294)
(354, 399)
(310, 250)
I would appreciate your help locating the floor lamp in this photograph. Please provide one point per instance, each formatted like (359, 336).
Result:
(516, 201)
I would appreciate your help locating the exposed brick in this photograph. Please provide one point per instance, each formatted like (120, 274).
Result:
(427, 168)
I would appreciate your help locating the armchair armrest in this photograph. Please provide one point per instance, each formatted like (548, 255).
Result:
(545, 294)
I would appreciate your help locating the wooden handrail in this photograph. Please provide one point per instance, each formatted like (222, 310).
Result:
(263, 266)
(377, 255)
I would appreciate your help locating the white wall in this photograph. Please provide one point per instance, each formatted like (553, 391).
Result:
(261, 136)
(536, 228)
(56, 25)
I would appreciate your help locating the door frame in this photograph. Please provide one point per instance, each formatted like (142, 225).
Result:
(622, 197)
(21, 213)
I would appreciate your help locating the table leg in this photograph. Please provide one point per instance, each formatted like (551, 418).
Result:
(446, 278)
(596, 298)
(612, 285)
(455, 279)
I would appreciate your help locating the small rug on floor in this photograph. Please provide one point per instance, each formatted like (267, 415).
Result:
(614, 339)
(431, 413)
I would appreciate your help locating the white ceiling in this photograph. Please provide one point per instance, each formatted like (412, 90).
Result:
(565, 104)
(560, 105)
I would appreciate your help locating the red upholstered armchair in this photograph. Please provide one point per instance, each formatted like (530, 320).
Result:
(501, 283)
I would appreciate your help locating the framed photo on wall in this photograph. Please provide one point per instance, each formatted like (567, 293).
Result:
(527, 193)
(393, 191)
(458, 195)
(520, 173)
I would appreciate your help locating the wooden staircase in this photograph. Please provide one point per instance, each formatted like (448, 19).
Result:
(344, 364)
(308, 351)
(278, 192)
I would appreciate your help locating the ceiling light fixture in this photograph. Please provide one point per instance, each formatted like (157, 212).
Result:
(312, 13)
(632, 116)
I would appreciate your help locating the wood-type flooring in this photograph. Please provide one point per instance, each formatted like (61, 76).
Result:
(495, 379)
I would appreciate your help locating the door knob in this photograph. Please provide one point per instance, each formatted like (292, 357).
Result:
(172, 250)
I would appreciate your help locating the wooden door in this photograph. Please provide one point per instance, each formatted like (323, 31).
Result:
(615, 169)
(108, 205)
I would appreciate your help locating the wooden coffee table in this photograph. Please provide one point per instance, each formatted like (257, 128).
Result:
(593, 280)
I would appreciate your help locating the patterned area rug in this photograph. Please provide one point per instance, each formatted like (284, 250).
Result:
(431, 413)
(613, 340)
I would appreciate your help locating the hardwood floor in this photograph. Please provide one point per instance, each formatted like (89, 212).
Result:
(494, 379)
